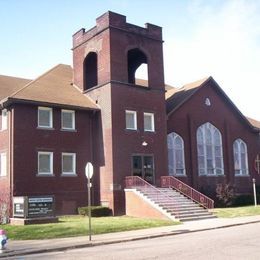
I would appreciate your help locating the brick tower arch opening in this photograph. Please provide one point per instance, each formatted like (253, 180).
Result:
(90, 75)
(137, 60)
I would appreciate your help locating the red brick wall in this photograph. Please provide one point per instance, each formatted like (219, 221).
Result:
(193, 113)
(29, 140)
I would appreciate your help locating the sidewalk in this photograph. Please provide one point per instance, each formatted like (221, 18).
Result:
(16, 248)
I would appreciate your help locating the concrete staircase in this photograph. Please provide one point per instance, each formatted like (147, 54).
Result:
(173, 203)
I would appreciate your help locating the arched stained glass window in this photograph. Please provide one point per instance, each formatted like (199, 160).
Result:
(209, 149)
(240, 157)
(176, 163)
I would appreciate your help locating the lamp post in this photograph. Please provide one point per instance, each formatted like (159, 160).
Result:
(254, 190)
(89, 174)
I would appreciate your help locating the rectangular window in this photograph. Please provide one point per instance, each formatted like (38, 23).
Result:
(3, 169)
(45, 117)
(69, 163)
(45, 163)
(131, 121)
(68, 119)
(149, 122)
(4, 119)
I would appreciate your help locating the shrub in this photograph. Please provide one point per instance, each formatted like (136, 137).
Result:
(225, 194)
(96, 211)
(245, 200)
(4, 206)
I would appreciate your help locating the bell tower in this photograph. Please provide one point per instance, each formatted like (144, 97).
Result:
(132, 131)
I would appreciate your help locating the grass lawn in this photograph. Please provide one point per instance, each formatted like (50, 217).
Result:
(69, 226)
(237, 211)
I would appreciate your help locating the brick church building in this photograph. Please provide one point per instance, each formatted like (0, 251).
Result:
(99, 112)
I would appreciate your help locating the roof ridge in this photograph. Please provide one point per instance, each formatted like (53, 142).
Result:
(14, 77)
(31, 82)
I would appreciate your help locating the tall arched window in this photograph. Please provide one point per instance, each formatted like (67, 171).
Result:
(176, 163)
(240, 157)
(90, 76)
(137, 60)
(209, 148)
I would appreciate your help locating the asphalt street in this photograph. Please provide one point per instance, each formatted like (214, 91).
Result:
(239, 242)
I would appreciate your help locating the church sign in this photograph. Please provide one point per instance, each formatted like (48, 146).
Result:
(34, 206)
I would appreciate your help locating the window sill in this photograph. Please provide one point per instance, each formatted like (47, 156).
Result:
(131, 130)
(242, 175)
(212, 175)
(69, 175)
(45, 175)
(45, 128)
(68, 130)
(150, 131)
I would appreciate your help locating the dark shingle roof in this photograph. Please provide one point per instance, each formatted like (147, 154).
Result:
(54, 87)
(9, 85)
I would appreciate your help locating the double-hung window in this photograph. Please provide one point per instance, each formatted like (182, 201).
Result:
(67, 119)
(3, 169)
(45, 117)
(149, 122)
(68, 164)
(130, 120)
(45, 163)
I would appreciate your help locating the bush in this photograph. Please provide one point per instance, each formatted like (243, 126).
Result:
(4, 206)
(225, 194)
(96, 211)
(245, 200)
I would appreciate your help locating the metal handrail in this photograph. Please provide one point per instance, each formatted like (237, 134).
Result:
(185, 189)
(135, 182)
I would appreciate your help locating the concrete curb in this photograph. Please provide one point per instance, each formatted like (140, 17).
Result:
(114, 241)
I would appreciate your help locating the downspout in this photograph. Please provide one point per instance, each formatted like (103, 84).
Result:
(10, 156)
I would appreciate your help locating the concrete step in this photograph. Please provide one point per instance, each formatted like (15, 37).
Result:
(183, 219)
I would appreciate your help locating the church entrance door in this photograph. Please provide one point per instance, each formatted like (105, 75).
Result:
(143, 166)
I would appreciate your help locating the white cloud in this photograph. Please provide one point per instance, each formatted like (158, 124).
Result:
(225, 43)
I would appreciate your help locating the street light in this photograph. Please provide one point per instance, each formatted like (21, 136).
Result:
(89, 173)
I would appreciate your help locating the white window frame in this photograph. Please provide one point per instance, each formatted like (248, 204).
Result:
(238, 167)
(151, 115)
(4, 119)
(212, 129)
(171, 138)
(72, 112)
(50, 126)
(51, 163)
(132, 112)
(3, 164)
(73, 173)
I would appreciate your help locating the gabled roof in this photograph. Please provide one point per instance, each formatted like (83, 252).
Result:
(177, 97)
(54, 87)
(9, 85)
(254, 122)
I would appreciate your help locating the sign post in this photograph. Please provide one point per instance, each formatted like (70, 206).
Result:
(257, 164)
(89, 174)
(254, 192)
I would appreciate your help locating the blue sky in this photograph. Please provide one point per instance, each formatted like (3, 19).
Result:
(220, 38)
